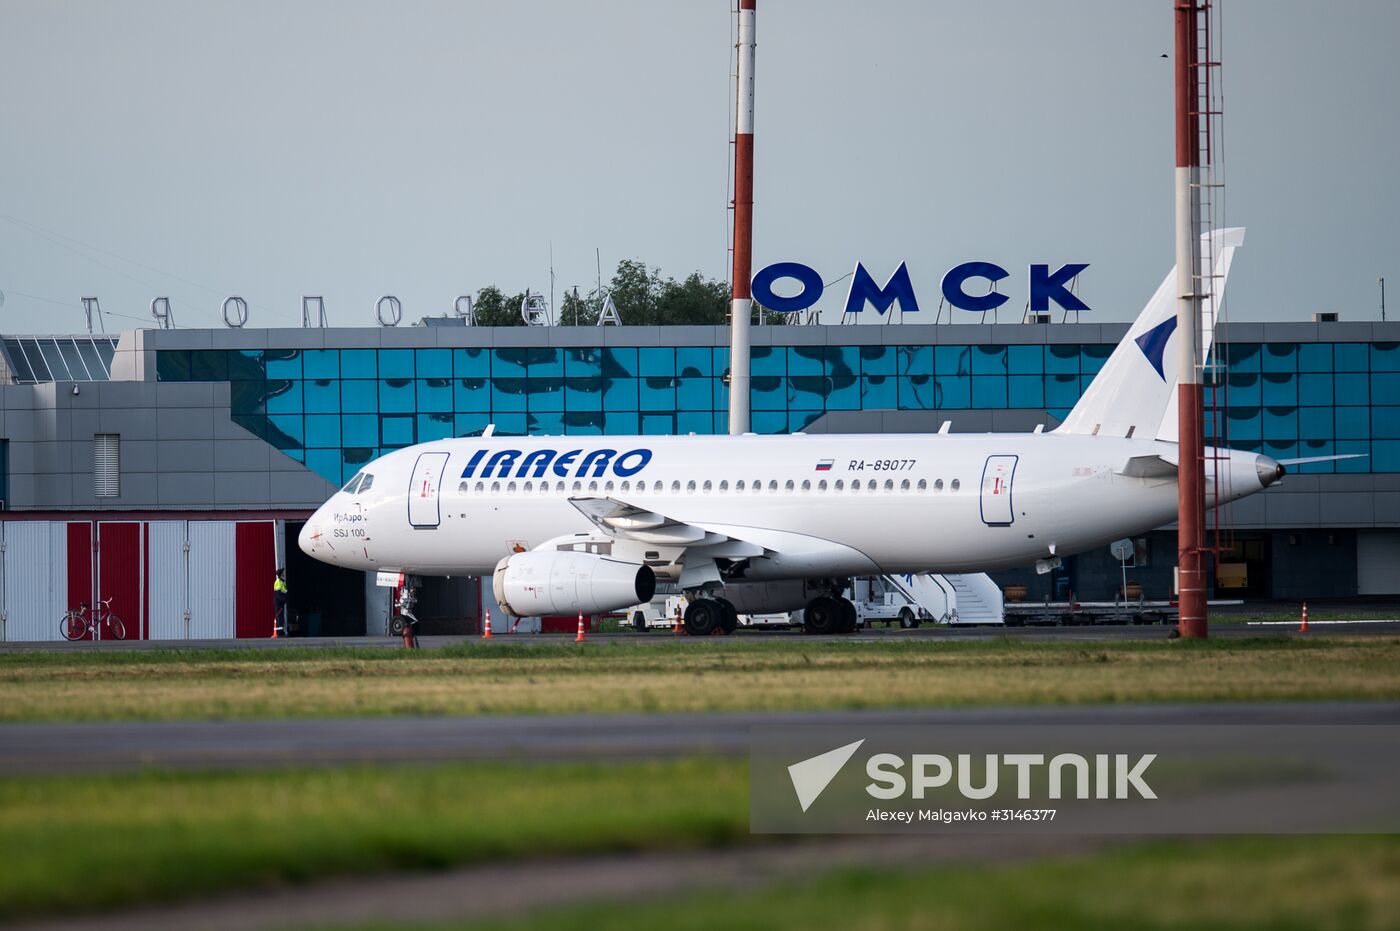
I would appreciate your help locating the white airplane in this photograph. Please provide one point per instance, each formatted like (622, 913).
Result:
(759, 524)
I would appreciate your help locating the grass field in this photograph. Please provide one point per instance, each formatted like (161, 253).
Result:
(1256, 884)
(725, 674)
(90, 842)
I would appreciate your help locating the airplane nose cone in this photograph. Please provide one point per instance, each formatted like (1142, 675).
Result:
(1269, 470)
(310, 536)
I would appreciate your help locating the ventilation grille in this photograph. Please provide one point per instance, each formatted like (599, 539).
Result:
(106, 465)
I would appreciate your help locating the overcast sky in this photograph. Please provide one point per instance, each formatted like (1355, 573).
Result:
(426, 149)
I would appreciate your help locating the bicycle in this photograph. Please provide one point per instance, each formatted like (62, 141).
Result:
(78, 624)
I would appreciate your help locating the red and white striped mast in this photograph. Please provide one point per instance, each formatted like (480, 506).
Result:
(1190, 534)
(741, 310)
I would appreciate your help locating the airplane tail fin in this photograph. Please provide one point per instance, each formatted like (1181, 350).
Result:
(1134, 394)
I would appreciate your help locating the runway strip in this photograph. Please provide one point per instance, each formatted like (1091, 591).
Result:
(28, 749)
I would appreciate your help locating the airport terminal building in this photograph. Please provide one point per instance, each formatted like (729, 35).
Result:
(171, 469)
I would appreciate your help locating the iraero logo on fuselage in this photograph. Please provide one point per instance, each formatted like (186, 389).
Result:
(539, 463)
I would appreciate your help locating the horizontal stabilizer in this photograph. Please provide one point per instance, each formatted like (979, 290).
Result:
(1308, 459)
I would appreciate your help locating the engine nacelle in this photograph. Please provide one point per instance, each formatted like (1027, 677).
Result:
(556, 582)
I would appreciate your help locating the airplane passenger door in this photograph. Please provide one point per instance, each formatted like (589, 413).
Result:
(423, 490)
(996, 491)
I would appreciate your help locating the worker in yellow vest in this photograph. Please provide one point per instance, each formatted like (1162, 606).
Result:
(279, 603)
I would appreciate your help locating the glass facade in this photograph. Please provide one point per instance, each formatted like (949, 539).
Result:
(336, 409)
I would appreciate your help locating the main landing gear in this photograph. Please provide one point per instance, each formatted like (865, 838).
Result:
(829, 614)
(704, 616)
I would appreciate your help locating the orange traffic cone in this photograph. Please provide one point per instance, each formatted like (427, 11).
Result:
(274, 628)
(580, 638)
(1303, 628)
(677, 628)
(486, 627)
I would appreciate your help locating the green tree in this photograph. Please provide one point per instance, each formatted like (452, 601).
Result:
(496, 309)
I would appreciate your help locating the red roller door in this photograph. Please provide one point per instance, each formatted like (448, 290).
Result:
(255, 551)
(79, 565)
(120, 573)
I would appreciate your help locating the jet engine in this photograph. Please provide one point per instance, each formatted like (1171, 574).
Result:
(562, 582)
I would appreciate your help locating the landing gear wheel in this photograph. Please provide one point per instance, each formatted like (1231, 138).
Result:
(729, 616)
(639, 621)
(702, 617)
(396, 626)
(849, 619)
(908, 619)
(823, 615)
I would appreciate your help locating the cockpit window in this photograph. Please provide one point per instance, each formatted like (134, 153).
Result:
(349, 488)
(365, 484)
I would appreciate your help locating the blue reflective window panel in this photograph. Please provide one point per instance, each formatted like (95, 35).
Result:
(1245, 389)
(359, 430)
(395, 430)
(471, 424)
(508, 394)
(1242, 357)
(879, 392)
(769, 422)
(1280, 357)
(172, 365)
(1315, 389)
(620, 394)
(396, 395)
(660, 360)
(321, 363)
(1025, 391)
(433, 363)
(584, 362)
(1385, 456)
(659, 423)
(1280, 388)
(208, 365)
(245, 364)
(508, 362)
(844, 394)
(1025, 360)
(359, 363)
(1385, 424)
(1360, 448)
(1281, 423)
(657, 393)
(297, 454)
(321, 396)
(583, 394)
(284, 431)
(1062, 359)
(1315, 423)
(545, 394)
(1314, 448)
(435, 395)
(1061, 391)
(545, 423)
(395, 363)
(1385, 387)
(952, 392)
(284, 397)
(701, 422)
(325, 463)
(1279, 449)
(916, 393)
(801, 420)
(1092, 358)
(1351, 389)
(767, 360)
(694, 360)
(1352, 357)
(1084, 382)
(620, 362)
(471, 363)
(353, 459)
(721, 394)
(952, 360)
(1315, 357)
(843, 361)
(509, 424)
(471, 394)
(806, 360)
(621, 423)
(546, 362)
(584, 423)
(255, 424)
(1245, 423)
(1385, 357)
(323, 431)
(247, 397)
(989, 391)
(359, 396)
(282, 363)
(694, 394)
(878, 360)
(808, 392)
(768, 393)
(988, 360)
(721, 422)
(721, 357)
(915, 360)
(1353, 423)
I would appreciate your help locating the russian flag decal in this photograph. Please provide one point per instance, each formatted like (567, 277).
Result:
(825, 465)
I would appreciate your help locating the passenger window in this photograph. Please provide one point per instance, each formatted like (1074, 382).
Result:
(463, 488)
(608, 487)
(675, 487)
(739, 485)
(529, 487)
(495, 487)
(707, 486)
(772, 484)
(904, 485)
(510, 489)
(578, 486)
(690, 487)
(480, 487)
(723, 485)
(955, 485)
(840, 485)
(938, 485)
(789, 486)
(592, 486)
(806, 484)
(821, 485)
(626, 487)
(889, 484)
